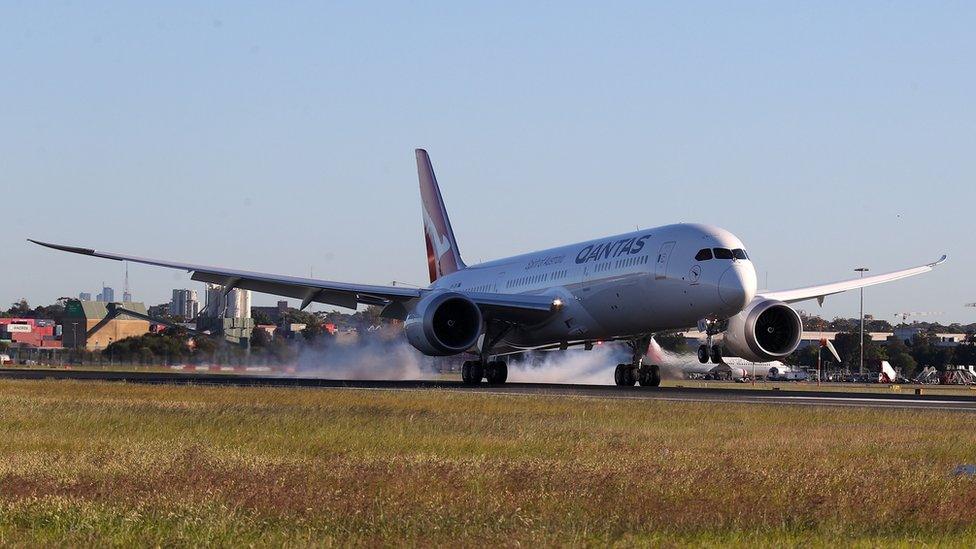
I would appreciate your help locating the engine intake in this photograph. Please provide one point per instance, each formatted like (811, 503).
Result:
(443, 324)
(765, 330)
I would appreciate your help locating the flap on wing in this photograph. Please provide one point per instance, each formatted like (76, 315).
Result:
(823, 290)
(519, 308)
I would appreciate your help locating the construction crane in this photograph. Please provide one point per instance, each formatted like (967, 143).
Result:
(907, 315)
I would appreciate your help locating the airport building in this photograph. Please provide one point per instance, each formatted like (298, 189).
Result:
(90, 325)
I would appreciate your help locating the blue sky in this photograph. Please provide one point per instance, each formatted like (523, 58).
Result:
(280, 137)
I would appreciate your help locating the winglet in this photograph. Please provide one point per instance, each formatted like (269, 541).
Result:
(943, 259)
(63, 248)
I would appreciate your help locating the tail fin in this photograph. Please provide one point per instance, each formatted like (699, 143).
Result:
(887, 374)
(443, 256)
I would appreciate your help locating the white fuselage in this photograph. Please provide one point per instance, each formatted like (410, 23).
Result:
(624, 285)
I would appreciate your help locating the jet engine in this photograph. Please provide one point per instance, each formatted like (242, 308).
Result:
(443, 323)
(765, 330)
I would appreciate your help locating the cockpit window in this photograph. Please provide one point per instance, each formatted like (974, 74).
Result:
(739, 253)
(723, 253)
(703, 255)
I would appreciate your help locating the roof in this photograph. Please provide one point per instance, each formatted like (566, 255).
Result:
(95, 310)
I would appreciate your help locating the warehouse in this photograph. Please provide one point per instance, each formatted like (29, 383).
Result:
(89, 324)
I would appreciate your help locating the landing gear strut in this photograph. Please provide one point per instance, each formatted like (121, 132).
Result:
(495, 372)
(648, 375)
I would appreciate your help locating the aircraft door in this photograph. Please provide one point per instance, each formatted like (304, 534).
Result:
(663, 258)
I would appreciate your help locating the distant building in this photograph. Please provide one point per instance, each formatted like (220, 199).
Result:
(108, 294)
(184, 304)
(29, 332)
(87, 324)
(941, 339)
(126, 297)
(275, 313)
(235, 304)
(84, 296)
(228, 314)
(266, 328)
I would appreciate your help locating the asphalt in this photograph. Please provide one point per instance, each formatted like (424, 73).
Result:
(677, 394)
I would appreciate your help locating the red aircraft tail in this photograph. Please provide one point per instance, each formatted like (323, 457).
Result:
(443, 256)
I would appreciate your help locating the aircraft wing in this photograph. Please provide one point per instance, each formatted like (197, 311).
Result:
(515, 308)
(823, 290)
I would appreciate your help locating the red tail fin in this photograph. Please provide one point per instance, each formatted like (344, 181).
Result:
(443, 256)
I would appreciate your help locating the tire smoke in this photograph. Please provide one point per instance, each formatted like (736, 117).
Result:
(370, 360)
(575, 366)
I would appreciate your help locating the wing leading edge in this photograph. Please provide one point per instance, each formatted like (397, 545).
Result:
(517, 308)
(823, 290)
(307, 289)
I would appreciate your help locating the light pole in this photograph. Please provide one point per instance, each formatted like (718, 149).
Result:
(74, 340)
(860, 368)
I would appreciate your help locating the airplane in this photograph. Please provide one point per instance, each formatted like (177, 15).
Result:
(623, 287)
(733, 367)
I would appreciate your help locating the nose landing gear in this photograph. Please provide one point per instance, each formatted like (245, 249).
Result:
(709, 351)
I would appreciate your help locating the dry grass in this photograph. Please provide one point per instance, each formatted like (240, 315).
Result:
(114, 464)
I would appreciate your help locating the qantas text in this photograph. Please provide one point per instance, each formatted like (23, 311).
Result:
(614, 248)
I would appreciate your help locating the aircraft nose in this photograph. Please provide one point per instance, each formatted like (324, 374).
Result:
(737, 286)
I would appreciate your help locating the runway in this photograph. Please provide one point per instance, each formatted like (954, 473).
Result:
(676, 394)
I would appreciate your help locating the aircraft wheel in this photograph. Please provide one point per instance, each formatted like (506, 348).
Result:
(625, 375)
(497, 372)
(703, 354)
(716, 354)
(472, 372)
(650, 375)
(618, 375)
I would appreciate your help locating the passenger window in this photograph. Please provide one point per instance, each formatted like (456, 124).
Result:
(723, 253)
(739, 253)
(704, 255)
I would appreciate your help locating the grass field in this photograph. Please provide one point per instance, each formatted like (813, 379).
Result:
(85, 463)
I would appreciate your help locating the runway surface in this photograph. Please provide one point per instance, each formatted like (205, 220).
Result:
(679, 394)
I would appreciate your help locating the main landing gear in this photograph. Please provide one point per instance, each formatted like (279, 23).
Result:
(495, 372)
(647, 375)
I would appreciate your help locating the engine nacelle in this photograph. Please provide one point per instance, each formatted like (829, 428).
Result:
(444, 323)
(765, 330)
